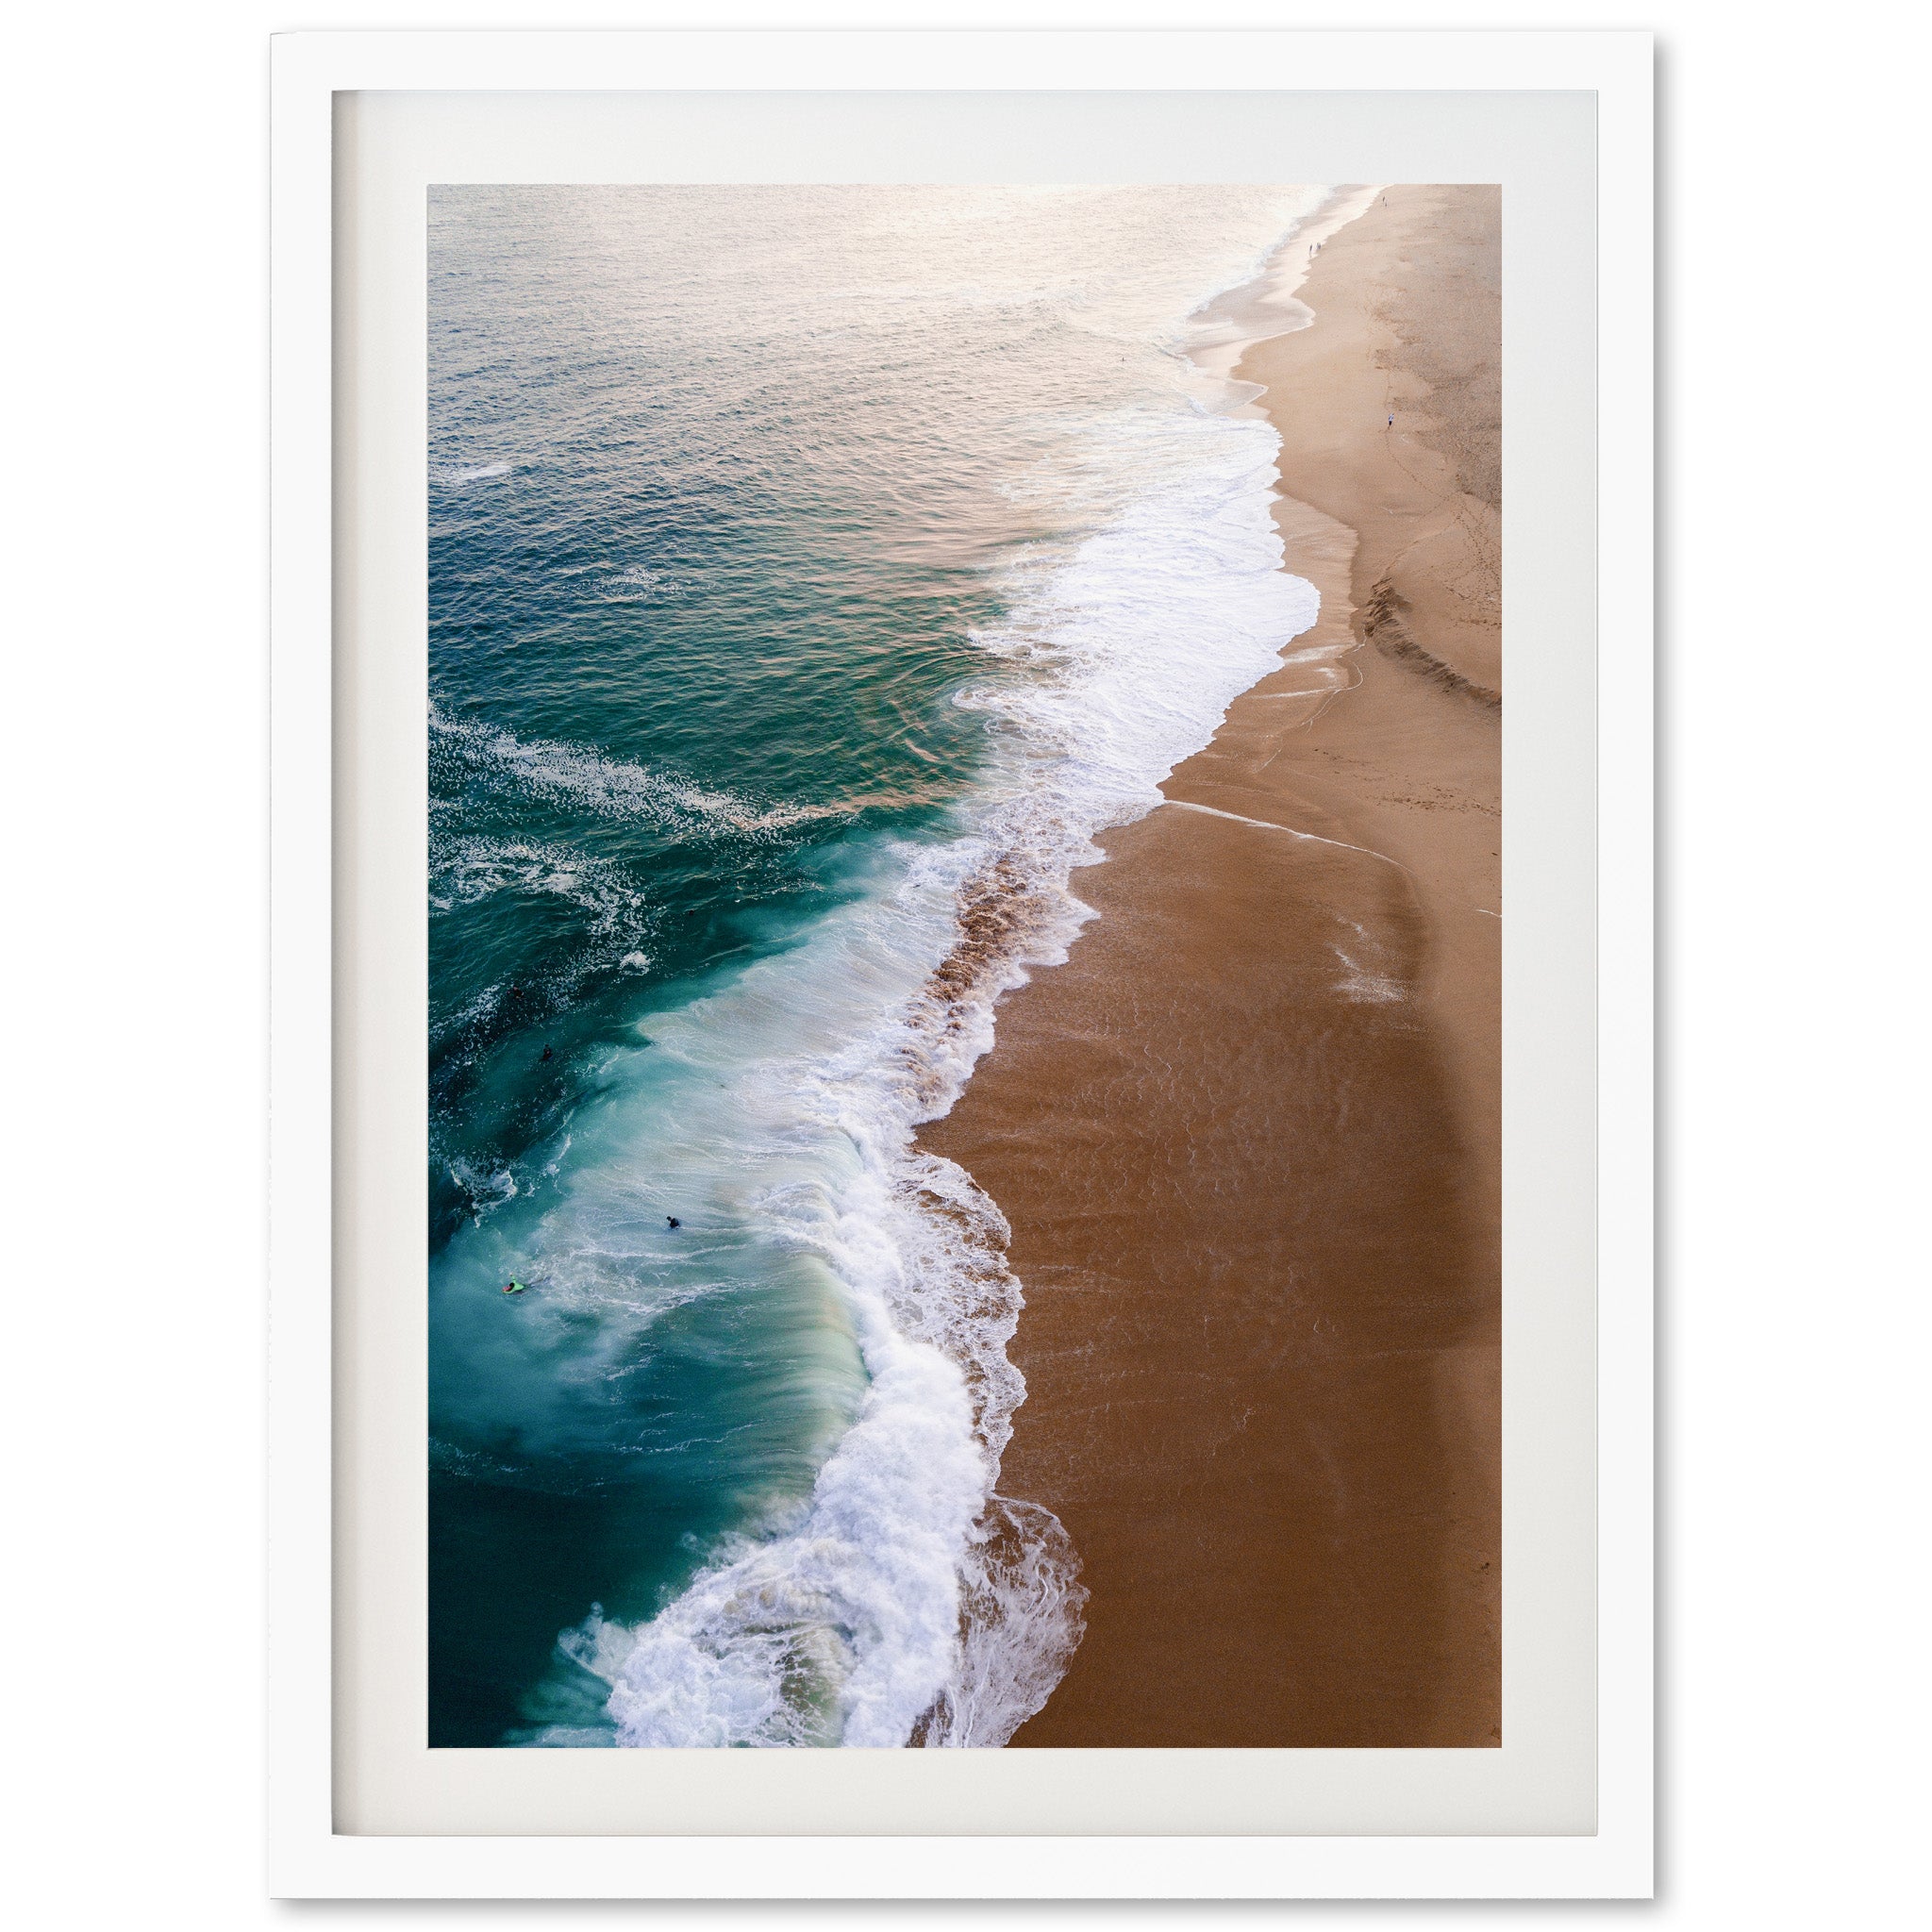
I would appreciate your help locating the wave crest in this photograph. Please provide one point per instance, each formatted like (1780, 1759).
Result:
(609, 788)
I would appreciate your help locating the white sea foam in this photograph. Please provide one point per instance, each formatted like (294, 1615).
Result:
(610, 787)
(1361, 987)
(464, 871)
(640, 584)
(482, 473)
(486, 1192)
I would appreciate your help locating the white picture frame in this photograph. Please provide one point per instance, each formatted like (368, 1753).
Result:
(309, 1857)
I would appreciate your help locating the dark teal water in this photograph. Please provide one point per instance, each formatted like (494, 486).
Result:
(808, 568)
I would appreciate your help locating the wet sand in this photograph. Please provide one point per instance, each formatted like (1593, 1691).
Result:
(1247, 1136)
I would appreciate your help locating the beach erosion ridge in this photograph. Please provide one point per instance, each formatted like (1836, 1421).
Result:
(1248, 1135)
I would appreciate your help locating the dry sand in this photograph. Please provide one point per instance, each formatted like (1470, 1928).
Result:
(1248, 1135)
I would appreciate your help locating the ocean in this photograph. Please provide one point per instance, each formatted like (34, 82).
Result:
(813, 572)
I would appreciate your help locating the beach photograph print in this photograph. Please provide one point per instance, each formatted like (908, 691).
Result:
(965, 930)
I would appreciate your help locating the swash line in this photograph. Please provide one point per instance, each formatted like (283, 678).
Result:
(1269, 825)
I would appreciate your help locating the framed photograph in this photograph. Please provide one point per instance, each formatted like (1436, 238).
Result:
(962, 957)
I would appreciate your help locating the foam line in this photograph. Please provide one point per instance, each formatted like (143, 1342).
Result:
(1269, 825)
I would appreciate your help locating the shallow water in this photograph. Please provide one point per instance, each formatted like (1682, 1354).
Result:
(812, 571)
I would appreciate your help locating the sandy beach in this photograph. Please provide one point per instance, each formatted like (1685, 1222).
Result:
(1247, 1136)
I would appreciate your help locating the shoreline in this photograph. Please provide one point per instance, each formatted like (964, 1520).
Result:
(1247, 1136)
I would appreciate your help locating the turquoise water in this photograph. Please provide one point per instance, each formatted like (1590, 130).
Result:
(812, 571)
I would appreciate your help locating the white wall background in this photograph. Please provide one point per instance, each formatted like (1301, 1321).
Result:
(134, 713)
